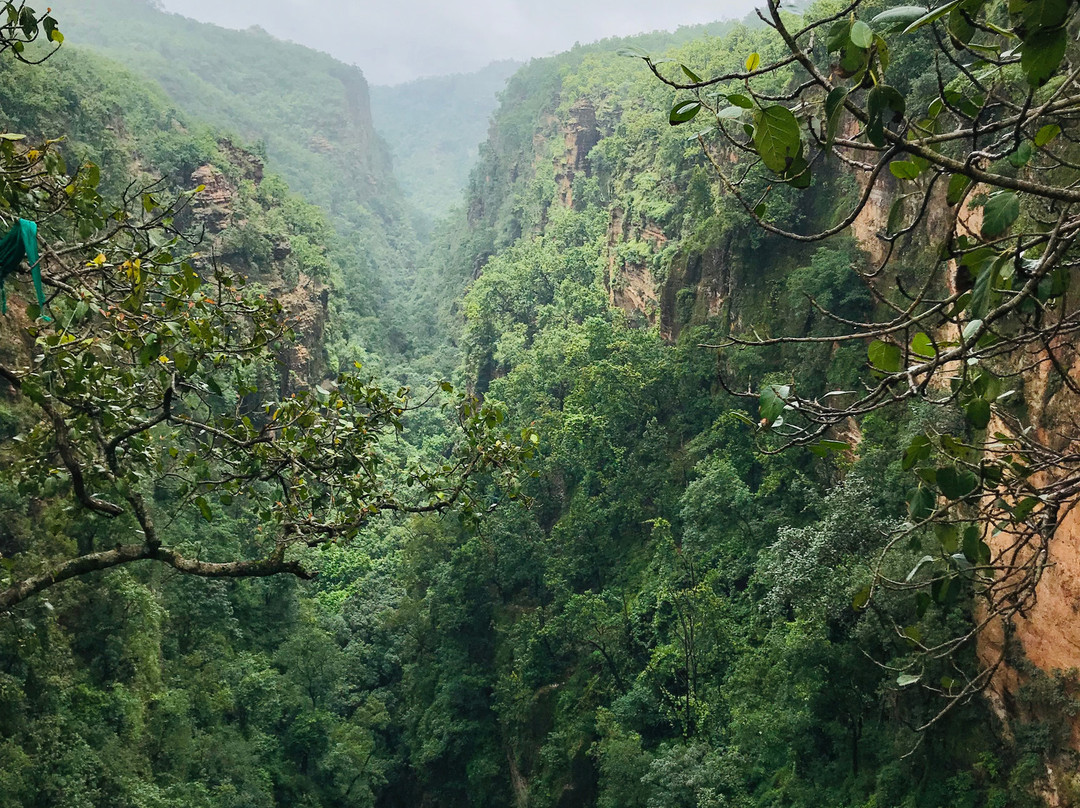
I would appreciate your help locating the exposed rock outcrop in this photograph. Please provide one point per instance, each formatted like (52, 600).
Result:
(212, 205)
(580, 135)
(216, 207)
(630, 282)
(304, 361)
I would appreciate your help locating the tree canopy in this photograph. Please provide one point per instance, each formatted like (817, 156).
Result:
(985, 133)
(148, 386)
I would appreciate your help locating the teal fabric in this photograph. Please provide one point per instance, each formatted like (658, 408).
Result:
(21, 242)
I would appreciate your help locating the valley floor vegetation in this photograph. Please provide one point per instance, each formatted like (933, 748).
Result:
(606, 490)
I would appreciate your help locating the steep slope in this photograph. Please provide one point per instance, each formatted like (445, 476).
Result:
(130, 670)
(251, 220)
(671, 623)
(666, 620)
(307, 113)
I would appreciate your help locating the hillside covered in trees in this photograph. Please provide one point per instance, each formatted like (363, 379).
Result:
(712, 447)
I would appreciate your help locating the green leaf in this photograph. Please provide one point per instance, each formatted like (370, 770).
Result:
(970, 329)
(922, 603)
(53, 35)
(690, 74)
(777, 137)
(941, 589)
(839, 36)
(28, 22)
(985, 294)
(895, 222)
(1047, 134)
(1022, 156)
(633, 52)
(740, 100)
(896, 19)
(862, 597)
(922, 505)
(949, 537)
(1023, 510)
(999, 213)
(978, 413)
(862, 35)
(1034, 17)
(960, 29)
(798, 175)
(853, 62)
(885, 356)
(884, 104)
(904, 169)
(956, 483)
(772, 402)
(824, 448)
(958, 185)
(922, 345)
(204, 508)
(882, 50)
(932, 16)
(972, 540)
(834, 108)
(919, 449)
(915, 570)
(684, 111)
(1041, 56)
(11, 136)
(908, 679)
(730, 113)
(927, 475)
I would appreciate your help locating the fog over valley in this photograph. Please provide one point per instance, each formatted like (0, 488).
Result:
(393, 42)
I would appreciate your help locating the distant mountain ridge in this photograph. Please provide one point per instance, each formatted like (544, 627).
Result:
(311, 111)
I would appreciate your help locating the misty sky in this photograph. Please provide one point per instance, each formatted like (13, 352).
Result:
(398, 40)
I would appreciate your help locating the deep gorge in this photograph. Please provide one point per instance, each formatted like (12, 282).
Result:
(635, 601)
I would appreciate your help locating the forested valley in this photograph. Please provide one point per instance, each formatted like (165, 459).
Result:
(680, 421)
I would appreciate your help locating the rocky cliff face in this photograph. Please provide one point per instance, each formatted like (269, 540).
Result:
(703, 284)
(1040, 649)
(580, 134)
(223, 211)
(1042, 644)
(630, 282)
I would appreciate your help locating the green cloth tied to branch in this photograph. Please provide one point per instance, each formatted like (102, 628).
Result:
(21, 242)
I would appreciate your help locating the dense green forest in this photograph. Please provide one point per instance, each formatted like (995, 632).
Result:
(575, 564)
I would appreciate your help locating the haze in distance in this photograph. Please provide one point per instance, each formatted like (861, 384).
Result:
(395, 42)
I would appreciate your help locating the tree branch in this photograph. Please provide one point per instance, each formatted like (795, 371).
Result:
(128, 553)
